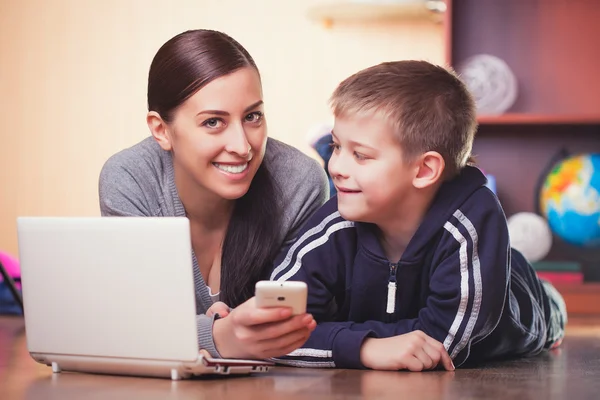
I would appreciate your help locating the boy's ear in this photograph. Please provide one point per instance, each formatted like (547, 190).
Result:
(430, 169)
(159, 129)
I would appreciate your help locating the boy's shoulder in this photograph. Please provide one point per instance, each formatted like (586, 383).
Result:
(482, 202)
(327, 225)
(326, 235)
(477, 215)
(463, 207)
(469, 193)
(329, 214)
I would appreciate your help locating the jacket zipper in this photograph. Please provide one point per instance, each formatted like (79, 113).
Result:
(391, 292)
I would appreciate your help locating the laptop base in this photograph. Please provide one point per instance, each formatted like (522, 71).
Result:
(176, 370)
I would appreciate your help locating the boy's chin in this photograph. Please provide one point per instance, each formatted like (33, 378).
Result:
(352, 214)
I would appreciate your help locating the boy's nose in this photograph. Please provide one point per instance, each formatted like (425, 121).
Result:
(336, 167)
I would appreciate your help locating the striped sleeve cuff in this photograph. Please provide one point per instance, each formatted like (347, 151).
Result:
(205, 334)
(346, 348)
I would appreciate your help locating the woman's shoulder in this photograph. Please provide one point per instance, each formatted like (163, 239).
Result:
(137, 157)
(302, 182)
(134, 173)
(288, 162)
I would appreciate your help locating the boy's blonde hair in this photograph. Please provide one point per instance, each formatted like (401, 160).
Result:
(429, 107)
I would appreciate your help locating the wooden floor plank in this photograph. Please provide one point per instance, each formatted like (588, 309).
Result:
(572, 371)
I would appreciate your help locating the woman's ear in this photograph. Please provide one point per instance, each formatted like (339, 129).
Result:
(159, 129)
(430, 169)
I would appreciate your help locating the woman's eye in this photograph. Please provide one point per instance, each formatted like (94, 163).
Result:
(359, 156)
(212, 123)
(334, 146)
(254, 117)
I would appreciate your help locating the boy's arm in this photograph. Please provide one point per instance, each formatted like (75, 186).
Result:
(317, 258)
(467, 293)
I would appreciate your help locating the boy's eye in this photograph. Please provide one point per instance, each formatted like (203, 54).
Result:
(334, 146)
(254, 116)
(212, 123)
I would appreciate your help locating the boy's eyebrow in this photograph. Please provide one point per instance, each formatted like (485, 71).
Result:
(225, 113)
(358, 144)
(354, 143)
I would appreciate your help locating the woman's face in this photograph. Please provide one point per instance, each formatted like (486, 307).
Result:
(218, 136)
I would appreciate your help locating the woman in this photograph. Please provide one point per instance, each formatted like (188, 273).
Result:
(209, 160)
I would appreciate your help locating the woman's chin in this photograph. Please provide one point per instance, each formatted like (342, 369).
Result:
(233, 192)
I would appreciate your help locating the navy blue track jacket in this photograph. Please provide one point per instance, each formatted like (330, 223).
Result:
(458, 281)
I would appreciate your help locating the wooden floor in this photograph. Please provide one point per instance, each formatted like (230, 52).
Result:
(571, 372)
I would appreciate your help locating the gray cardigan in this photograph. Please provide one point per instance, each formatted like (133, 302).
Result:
(139, 181)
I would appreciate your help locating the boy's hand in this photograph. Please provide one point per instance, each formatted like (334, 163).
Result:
(218, 308)
(414, 351)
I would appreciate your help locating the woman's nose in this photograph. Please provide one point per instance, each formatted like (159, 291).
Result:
(237, 143)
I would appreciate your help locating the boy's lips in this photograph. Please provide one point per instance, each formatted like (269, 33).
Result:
(346, 190)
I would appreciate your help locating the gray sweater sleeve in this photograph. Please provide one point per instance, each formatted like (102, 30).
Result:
(205, 334)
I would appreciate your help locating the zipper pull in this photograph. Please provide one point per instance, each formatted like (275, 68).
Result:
(391, 293)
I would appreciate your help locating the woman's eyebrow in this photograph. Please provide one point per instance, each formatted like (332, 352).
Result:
(253, 106)
(225, 113)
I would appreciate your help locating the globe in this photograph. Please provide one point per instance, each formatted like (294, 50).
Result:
(570, 200)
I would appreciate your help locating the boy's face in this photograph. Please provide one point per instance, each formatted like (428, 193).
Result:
(368, 170)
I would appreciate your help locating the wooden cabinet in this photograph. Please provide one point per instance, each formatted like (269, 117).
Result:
(553, 48)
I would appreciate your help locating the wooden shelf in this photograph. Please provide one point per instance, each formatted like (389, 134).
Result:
(359, 11)
(581, 299)
(539, 119)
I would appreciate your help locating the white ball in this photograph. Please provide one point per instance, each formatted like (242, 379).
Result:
(530, 234)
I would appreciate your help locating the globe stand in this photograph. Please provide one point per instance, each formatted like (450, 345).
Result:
(589, 260)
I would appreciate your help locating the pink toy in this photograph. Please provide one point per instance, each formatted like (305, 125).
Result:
(11, 265)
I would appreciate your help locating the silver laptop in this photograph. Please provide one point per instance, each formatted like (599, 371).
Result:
(114, 295)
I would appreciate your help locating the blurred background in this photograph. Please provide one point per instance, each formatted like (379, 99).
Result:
(73, 92)
(73, 77)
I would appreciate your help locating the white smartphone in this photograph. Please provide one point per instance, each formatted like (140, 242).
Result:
(291, 294)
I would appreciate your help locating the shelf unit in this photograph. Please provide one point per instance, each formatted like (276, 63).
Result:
(551, 48)
(581, 300)
(540, 119)
(376, 12)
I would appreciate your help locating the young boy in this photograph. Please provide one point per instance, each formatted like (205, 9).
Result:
(414, 251)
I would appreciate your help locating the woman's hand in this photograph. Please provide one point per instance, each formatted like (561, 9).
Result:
(252, 332)
(218, 308)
